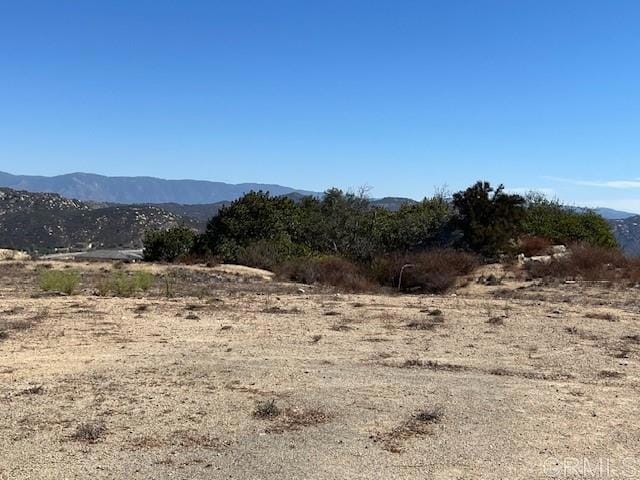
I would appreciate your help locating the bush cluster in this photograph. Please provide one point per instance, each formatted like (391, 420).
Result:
(342, 238)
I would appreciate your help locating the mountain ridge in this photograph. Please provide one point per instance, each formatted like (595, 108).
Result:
(137, 190)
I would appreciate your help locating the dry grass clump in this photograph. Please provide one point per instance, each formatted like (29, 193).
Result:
(19, 325)
(89, 432)
(297, 418)
(434, 271)
(33, 390)
(499, 321)
(334, 271)
(418, 424)
(432, 365)
(589, 263)
(425, 323)
(609, 317)
(190, 439)
(266, 409)
(290, 418)
(283, 311)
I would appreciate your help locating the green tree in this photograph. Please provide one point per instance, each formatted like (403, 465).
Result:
(168, 245)
(489, 219)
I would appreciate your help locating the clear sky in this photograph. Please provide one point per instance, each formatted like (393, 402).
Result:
(403, 96)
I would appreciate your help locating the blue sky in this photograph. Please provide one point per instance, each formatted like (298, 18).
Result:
(403, 96)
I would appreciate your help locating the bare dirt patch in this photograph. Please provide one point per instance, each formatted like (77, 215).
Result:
(128, 387)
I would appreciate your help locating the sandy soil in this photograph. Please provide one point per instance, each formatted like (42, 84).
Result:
(511, 381)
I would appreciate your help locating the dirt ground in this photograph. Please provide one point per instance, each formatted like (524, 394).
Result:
(236, 376)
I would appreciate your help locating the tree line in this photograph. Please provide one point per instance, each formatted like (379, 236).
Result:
(265, 231)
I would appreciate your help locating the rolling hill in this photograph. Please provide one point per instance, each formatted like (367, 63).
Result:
(43, 222)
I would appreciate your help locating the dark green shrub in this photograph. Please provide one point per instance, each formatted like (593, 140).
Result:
(254, 217)
(168, 245)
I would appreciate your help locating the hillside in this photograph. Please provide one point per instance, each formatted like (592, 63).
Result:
(44, 221)
(627, 233)
(130, 190)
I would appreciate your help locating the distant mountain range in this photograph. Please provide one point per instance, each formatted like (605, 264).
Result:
(130, 190)
(610, 214)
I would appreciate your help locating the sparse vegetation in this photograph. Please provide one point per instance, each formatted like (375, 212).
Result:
(125, 284)
(372, 367)
(424, 324)
(434, 271)
(496, 321)
(609, 317)
(330, 270)
(586, 262)
(532, 245)
(89, 432)
(282, 311)
(266, 409)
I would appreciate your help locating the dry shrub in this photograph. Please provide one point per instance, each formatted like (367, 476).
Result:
(533, 245)
(586, 262)
(417, 425)
(192, 258)
(434, 271)
(89, 432)
(335, 271)
(266, 409)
